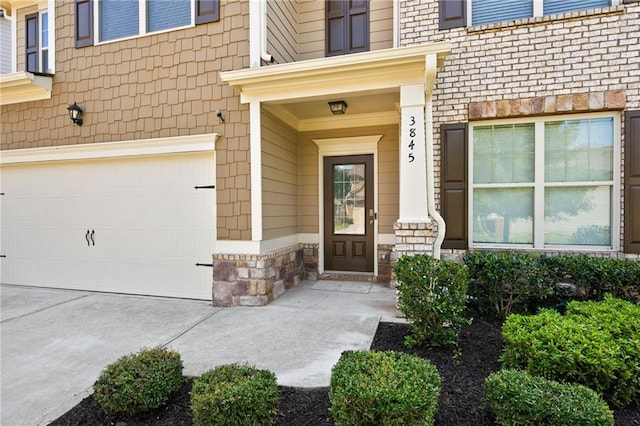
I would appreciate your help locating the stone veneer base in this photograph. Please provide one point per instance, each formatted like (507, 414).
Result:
(256, 280)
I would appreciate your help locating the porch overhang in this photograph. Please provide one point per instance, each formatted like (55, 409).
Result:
(360, 72)
(24, 86)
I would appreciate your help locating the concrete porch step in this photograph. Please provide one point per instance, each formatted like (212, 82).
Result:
(348, 276)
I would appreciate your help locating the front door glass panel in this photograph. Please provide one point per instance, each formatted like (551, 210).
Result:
(349, 199)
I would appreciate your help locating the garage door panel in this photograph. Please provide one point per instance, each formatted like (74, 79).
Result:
(150, 225)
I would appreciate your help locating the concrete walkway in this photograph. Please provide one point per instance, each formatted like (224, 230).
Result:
(54, 343)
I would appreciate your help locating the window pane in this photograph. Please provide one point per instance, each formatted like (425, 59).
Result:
(579, 150)
(503, 154)
(118, 19)
(488, 11)
(503, 215)
(45, 30)
(349, 199)
(578, 216)
(164, 14)
(560, 6)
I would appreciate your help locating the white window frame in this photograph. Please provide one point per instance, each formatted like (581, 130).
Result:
(49, 9)
(41, 48)
(538, 8)
(539, 183)
(142, 23)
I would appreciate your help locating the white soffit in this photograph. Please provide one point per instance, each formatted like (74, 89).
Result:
(357, 72)
(24, 86)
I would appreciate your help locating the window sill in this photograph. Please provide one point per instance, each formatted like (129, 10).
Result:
(24, 86)
(579, 14)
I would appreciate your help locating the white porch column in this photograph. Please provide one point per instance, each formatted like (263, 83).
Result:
(255, 147)
(413, 162)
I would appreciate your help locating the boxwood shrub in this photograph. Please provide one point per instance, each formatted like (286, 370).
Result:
(506, 282)
(595, 276)
(517, 398)
(383, 388)
(596, 344)
(235, 394)
(139, 382)
(432, 295)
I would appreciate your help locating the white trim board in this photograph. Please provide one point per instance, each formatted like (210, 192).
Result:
(181, 144)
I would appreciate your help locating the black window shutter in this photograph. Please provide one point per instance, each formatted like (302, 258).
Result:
(358, 26)
(207, 11)
(632, 182)
(454, 204)
(83, 23)
(31, 43)
(453, 13)
(336, 27)
(347, 26)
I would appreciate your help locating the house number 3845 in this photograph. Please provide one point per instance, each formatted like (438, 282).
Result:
(412, 134)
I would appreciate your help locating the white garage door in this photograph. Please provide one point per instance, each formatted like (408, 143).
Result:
(128, 225)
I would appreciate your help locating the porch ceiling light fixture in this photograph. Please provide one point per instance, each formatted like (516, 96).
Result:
(338, 107)
(75, 112)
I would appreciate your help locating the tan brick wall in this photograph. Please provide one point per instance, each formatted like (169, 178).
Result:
(152, 86)
(548, 57)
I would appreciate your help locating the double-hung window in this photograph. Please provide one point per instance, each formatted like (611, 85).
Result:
(120, 19)
(546, 182)
(127, 18)
(37, 42)
(490, 11)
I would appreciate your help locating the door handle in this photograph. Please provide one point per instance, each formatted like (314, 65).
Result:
(86, 237)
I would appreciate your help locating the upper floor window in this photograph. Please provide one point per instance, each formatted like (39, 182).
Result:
(127, 18)
(347, 26)
(118, 19)
(44, 37)
(37, 42)
(490, 11)
(459, 13)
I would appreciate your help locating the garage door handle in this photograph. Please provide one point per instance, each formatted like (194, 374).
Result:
(86, 237)
(92, 240)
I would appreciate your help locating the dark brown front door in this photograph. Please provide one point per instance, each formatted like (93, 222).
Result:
(348, 213)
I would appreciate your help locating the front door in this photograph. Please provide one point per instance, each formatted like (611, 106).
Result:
(348, 213)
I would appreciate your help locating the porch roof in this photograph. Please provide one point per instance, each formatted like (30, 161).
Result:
(359, 72)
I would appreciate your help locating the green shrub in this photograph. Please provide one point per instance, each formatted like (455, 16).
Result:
(596, 276)
(383, 388)
(505, 282)
(235, 394)
(139, 382)
(432, 295)
(518, 398)
(596, 344)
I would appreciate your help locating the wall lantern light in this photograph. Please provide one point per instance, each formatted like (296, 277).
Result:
(75, 112)
(338, 107)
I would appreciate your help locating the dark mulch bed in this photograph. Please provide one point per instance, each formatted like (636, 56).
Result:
(460, 400)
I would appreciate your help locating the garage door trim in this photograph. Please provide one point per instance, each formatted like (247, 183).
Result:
(181, 144)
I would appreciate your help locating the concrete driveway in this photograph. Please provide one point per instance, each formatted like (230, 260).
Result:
(54, 343)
